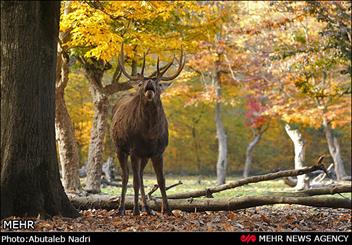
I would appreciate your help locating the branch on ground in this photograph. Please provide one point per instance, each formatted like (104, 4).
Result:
(315, 192)
(155, 187)
(245, 181)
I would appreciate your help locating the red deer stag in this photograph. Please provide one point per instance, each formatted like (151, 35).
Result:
(140, 129)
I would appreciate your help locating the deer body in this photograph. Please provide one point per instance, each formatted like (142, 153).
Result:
(140, 130)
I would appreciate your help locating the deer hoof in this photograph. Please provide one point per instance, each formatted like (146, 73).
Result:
(121, 211)
(167, 212)
(148, 210)
(136, 212)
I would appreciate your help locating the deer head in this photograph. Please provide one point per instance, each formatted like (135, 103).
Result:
(150, 87)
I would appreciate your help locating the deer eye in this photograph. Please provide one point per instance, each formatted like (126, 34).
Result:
(140, 84)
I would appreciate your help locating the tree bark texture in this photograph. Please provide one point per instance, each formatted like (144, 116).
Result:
(299, 150)
(96, 146)
(249, 153)
(335, 150)
(196, 151)
(30, 181)
(65, 135)
(210, 204)
(221, 165)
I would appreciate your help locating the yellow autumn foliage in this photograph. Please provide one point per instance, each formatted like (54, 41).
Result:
(247, 28)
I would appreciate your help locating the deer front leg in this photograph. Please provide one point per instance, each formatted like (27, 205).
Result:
(136, 166)
(124, 174)
(158, 168)
(145, 206)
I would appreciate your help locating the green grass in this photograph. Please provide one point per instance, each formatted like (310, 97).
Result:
(191, 183)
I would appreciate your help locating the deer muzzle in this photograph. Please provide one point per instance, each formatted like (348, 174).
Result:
(149, 94)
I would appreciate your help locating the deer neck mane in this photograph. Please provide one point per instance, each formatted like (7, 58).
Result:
(150, 116)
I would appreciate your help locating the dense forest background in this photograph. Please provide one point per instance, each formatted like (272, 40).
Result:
(249, 35)
(275, 151)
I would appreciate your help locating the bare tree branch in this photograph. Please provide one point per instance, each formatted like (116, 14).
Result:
(116, 87)
(253, 179)
(316, 191)
(155, 187)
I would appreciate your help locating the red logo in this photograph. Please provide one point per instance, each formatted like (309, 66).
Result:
(248, 238)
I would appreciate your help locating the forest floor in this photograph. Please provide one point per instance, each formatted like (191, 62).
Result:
(265, 218)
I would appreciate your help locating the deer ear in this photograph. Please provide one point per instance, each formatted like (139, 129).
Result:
(164, 86)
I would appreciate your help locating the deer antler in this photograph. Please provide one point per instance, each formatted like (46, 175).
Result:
(165, 68)
(122, 66)
(161, 70)
(158, 73)
(181, 65)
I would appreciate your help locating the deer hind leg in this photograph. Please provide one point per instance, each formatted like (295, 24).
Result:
(136, 166)
(158, 168)
(145, 206)
(124, 174)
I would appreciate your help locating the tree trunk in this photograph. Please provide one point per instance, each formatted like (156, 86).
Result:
(196, 151)
(94, 70)
(249, 153)
(96, 146)
(299, 149)
(68, 150)
(30, 181)
(221, 165)
(334, 149)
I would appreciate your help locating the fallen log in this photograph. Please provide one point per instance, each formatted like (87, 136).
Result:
(254, 179)
(314, 192)
(210, 204)
(290, 181)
